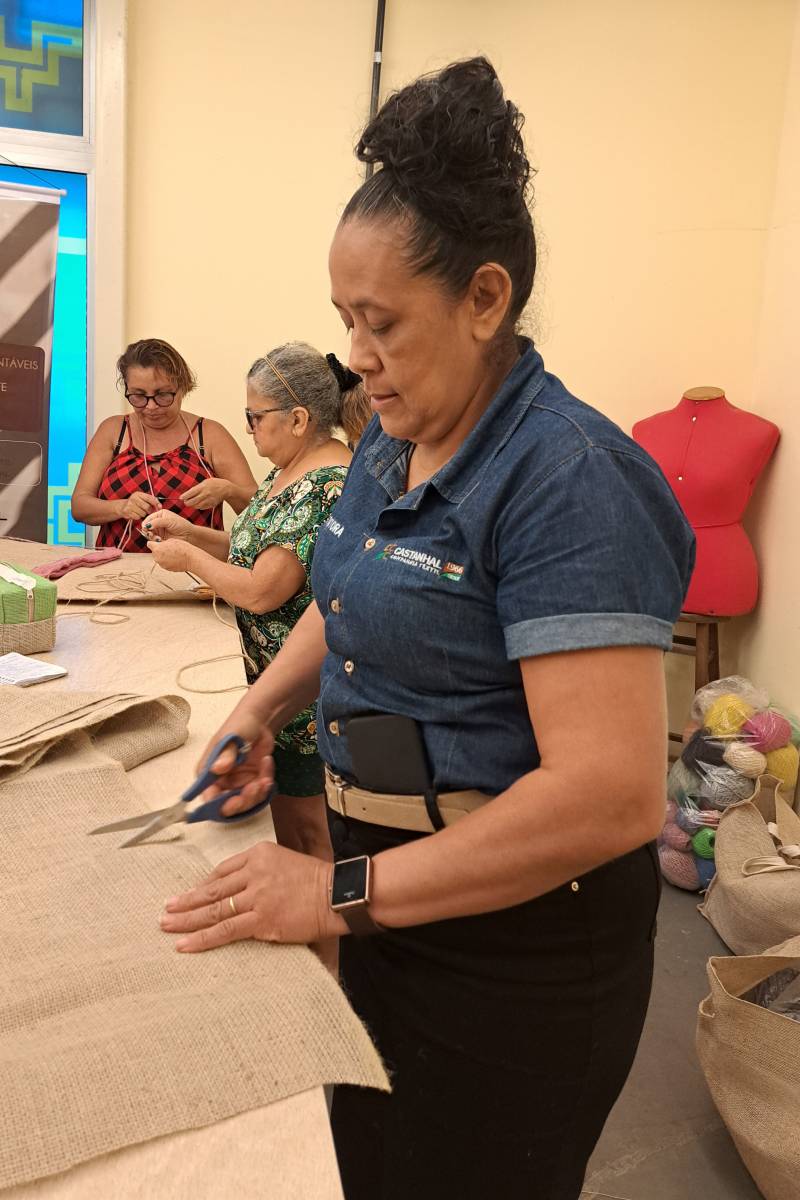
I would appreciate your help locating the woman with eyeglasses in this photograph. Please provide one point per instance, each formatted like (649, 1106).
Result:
(158, 457)
(296, 399)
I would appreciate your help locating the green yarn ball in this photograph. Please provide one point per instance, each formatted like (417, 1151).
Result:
(703, 843)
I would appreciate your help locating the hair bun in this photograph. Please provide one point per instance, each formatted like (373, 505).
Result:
(345, 378)
(453, 128)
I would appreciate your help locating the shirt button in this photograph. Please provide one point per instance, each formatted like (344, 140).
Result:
(369, 543)
(576, 887)
(694, 418)
(680, 479)
(349, 666)
(336, 605)
(334, 727)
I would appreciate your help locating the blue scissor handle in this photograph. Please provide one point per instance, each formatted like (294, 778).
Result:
(212, 809)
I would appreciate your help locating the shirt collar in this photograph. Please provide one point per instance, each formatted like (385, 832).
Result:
(463, 471)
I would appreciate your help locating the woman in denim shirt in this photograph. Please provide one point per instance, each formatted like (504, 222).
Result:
(505, 567)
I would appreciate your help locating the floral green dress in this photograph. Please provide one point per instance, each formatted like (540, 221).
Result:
(290, 519)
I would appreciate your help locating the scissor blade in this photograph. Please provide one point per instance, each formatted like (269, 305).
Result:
(161, 820)
(130, 823)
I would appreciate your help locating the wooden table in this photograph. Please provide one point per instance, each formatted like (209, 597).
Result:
(281, 1152)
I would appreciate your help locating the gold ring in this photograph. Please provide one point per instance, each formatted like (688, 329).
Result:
(232, 903)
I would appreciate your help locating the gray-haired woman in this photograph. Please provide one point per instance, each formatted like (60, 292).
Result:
(296, 399)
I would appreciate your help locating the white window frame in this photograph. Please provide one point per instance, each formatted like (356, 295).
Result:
(99, 155)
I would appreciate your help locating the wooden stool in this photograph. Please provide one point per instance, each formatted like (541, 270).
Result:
(703, 648)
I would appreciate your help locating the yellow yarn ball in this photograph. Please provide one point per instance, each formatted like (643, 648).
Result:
(727, 715)
(745, 759)
(784, 764)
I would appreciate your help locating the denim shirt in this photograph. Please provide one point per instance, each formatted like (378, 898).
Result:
(549, 530)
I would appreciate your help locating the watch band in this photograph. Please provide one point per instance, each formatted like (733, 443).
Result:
(358, 920)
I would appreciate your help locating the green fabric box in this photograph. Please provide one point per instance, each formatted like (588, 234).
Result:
(27, 614)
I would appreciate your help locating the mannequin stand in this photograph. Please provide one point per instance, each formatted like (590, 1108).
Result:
(703, 648)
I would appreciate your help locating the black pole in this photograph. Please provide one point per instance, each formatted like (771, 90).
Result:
(377, 59)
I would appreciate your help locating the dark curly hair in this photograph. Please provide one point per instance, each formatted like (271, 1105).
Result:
(454, 165)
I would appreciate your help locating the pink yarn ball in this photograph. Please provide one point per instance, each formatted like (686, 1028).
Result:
(672, 835)
(679, 868)
(672, 811)
(767, 730)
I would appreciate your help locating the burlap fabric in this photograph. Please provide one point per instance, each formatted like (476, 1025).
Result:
(108, 1037)
(754, 899)
(29, 637)
(751, 1060)
(126, 727)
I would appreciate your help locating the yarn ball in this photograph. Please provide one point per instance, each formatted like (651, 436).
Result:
(703, 749)
(795, 724)
(682, 784)
(688, 820)
(703, 842)
(744, 759)
(783, 764)
(722, 786)
(671, 812)
(736, 685)
(672, 835)
(727, 715)
(767, 730)
(679, 869)
(706, 871)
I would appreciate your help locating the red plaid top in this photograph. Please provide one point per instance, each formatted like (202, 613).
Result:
(171, 473)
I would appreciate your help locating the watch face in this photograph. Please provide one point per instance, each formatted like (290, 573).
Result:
(349, 881)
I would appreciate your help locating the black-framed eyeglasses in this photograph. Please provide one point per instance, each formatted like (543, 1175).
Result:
(253, 414)
(139, 399)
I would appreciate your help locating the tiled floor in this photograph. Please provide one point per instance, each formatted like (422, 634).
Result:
(665, 1140)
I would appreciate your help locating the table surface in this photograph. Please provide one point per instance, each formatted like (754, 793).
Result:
(284, 1150)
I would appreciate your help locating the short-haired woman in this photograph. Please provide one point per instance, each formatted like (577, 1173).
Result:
(296, 400)
(158, 456)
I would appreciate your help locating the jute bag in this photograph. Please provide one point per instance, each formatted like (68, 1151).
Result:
(754, 899)
(751, 1060)
(126, 727)
(27, 611)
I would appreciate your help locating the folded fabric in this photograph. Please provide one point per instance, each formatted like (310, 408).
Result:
(92, 558)
(108, 1038)
(127, 727)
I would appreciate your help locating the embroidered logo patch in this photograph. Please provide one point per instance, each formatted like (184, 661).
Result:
(422, 561)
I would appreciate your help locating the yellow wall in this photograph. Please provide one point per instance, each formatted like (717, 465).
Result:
(656, 129)
(240, 123)
(769, 642)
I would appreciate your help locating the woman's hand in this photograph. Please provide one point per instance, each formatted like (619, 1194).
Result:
(172, 555)
(207, 494)
(278, 896)
(256, 774)
(137, 506)
(165, 524)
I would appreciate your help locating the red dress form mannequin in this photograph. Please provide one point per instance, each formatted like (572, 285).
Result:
(712, 454)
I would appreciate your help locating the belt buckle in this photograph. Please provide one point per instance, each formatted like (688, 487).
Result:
(341, 786)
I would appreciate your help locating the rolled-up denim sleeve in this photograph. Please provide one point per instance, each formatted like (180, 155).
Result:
(598, 553)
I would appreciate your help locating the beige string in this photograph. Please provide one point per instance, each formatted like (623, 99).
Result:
(203, 662)
(136, 584)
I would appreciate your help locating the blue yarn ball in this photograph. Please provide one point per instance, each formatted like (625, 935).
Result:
(705, 869)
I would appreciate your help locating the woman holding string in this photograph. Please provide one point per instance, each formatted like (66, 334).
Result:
(296, 400)
(158, 456)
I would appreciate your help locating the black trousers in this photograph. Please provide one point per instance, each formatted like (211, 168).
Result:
(507, 1036)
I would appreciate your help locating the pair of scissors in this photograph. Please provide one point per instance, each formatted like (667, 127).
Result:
(210, 811)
